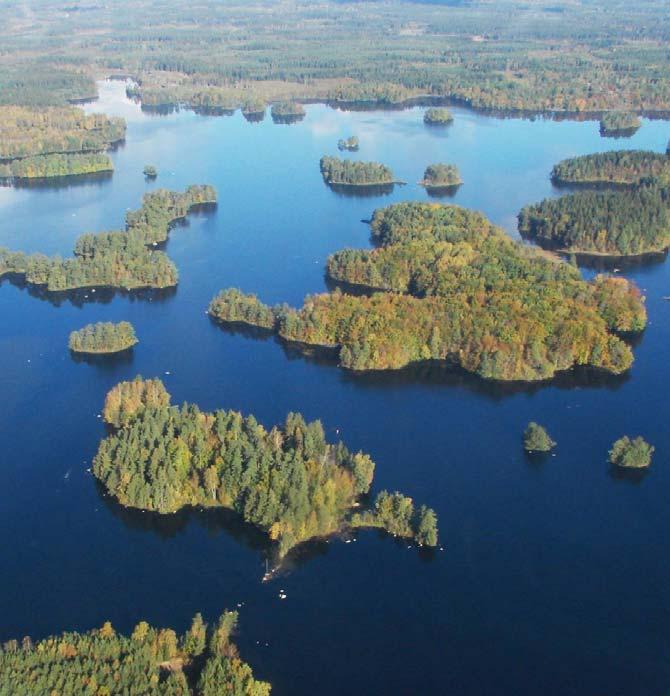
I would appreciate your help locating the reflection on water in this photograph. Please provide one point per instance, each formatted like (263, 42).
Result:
(443, 191)
(59, 182)
(108, 361)
(287, 120)
(353, 191)
(253, 116)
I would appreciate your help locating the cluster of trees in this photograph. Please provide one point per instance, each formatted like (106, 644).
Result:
(287, 112)
(537, 439)
(150, 171)
(235, 307)
(437, 117)
(203, 661)
(441, 176)
(26, 132)
(54, 166)
(396, 514)
(103, 337)
(459, 289)
(350, 173)
(621, 167)
(617, 223)
(631, 454)
(616, 124)
(288, 481)
(40, 83)
(127, 399)
(349, 144)
(116, 259)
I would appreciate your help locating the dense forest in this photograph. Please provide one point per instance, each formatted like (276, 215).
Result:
(459, 289)
(54, 166)
(287, 481)
(115, 259)
(553, 55)
(349, 144)
(103, 337)
(617, 124)
(630, 453)
(28, 132)
(204, 661)
(616, 223)
(127, 399)
(438, 117)
(338, 172)
(622, 167)
(441, 176)
(234, 307)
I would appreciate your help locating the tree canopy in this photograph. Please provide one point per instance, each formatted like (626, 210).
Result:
(622, 167)
(631, 454)
(536, 439)
(437, 117)
(351, 173)
(288, 481)
(617, 124)
(103, 337)
(441, 176)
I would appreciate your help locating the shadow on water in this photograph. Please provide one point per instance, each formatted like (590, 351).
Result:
(625, 475)
(287, 120)
(254, 116)
(257, 333)
(442, 191)
(104, 361)
(82, 296)
(371, 191)
(60, 182)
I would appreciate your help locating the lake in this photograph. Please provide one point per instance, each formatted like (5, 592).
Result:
(552, 574)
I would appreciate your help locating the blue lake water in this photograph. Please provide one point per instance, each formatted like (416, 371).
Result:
(554, 575)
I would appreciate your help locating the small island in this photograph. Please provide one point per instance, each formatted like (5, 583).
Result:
(103, 337)
(288, 481)
(437, 117)
(608, 223)
(149, 171)
(338, 172)
(287, 112)
(619, 124)
(203, 661)
(444, 284)
(631, 454)
(441, 176)
(253, 110)
(349, 144)
(617, 167)
(536, 439)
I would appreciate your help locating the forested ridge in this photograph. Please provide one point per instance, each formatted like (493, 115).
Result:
(339, 172)
(625, 167)
(459, 289)
(288, 481)
(120, 259)
(204, 661)
(617, 223)
(103, 337)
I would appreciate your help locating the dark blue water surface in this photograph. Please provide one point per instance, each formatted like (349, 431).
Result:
(554, 575)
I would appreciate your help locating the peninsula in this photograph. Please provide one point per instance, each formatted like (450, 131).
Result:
(617, 167)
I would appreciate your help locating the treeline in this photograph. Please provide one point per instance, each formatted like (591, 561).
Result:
(54, 166)
(204, 661)
(115, 259)
(622, 167)
(40, 83)
(28, 132)
(103, 337)
(288, 481)
(459, 289)
(350, 173)
(440, 176)
(234, 307)
(617, 223)
(619, 123)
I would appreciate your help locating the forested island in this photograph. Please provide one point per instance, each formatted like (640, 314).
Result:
(149, 171)
(287, 481)
(120, 259)
(619, 167)
(630, 453)
(103, 337)
(619, 124)
(55, 166)
(338, 172)
(440, 176)
(349, 144)
(287, 112)
(438, 117)
(537, 439)
(457, 289)
(253, 109)
(612, 223)
(204, 661)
